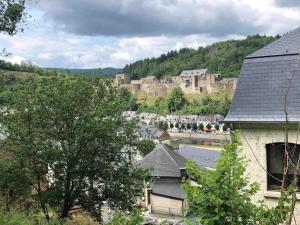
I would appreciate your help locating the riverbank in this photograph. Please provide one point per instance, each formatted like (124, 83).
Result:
(210, 136)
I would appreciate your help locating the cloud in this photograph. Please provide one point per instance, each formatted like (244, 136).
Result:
(288, 3)
(152, 18)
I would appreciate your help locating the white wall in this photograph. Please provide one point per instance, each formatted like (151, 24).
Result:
(255, 139)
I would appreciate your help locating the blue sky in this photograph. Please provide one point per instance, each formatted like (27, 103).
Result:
(102, 33)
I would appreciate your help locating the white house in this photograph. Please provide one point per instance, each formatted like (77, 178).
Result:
(269, 84)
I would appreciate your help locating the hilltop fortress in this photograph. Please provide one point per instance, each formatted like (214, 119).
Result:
(190, 81)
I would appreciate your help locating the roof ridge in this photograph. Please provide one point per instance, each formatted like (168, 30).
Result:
(166, 150)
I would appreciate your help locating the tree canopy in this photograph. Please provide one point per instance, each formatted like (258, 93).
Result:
(12, 13)
(68, 137)
(176, 100)
(225, 58)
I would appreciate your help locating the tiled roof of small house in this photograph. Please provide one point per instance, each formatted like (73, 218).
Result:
(165, 162)
(266, 77)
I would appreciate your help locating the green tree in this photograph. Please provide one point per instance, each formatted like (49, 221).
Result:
(182, 126)
(225, 127)
(166, 126)
(194, 126)
(188, 126)
(201, 127)
(14, 185)
(125, 218)
(176, 100)
(160, 125)
(208, 126)
(223, 196)
(12, 13)
(217, 127)
(171, 125)
(69, 132)
(145, 147)
(177, 125)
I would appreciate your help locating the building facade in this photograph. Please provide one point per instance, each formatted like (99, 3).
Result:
(266, 101)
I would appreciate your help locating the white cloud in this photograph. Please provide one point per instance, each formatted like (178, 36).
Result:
(47, 43)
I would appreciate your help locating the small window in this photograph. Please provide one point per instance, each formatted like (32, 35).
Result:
(276, 161)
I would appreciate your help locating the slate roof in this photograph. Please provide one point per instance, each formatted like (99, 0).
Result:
(205, 158)
(265, 78)
(287, 44)
(193, 72)
(168, 188)
(152, 130)
(165, 162)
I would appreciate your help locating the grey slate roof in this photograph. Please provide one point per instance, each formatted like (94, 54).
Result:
(265, 77)
(203, 157)
(287, 44)
(193, 72)
(165, 162)
(168, 188)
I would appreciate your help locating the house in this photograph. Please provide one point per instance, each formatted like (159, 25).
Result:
(166, 195)
(269, 84)
(153, 133)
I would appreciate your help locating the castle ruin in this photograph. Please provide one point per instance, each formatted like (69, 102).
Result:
(190, 81)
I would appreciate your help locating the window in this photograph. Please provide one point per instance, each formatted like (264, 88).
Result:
(276, 161)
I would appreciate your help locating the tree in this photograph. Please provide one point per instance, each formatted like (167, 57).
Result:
(165, 126)
(188, 126)
(69, 132)
(177, 125)
(201, 127)
(182, 126)
(160, 125)
(223, 196)
(14, 186)
(125, 218)
(176, 100)
(225, 127)
(208, 127)
(217, 127)
(145, 147)
(12, 13)
(171, 126)
(194, 126)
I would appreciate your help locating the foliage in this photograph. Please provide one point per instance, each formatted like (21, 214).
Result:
(176, 100)
(19, 218)
(14, 185)
(194, 126)
(225, 127)
(208, 126)
(107, 72)
(208, 104)
(201, 127)
(145, 146)
(223, 196)
(223, 57)
(122, 218)
(11, 14)
(69, 132)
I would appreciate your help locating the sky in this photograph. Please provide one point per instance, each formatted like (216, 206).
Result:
(112, 33)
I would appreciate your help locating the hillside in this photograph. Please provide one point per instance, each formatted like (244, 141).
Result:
(108, 72)
(223, 57)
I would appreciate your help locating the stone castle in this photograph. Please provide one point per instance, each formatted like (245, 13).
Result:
(190, 81)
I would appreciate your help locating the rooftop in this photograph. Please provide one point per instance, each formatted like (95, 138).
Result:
(266, 77)
(165, 162)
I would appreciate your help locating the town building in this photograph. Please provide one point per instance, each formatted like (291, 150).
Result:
(267, 99)
(151, 132)
(166, 194)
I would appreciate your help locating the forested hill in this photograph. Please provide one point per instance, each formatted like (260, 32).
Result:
(223, 57)
(108, 72)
